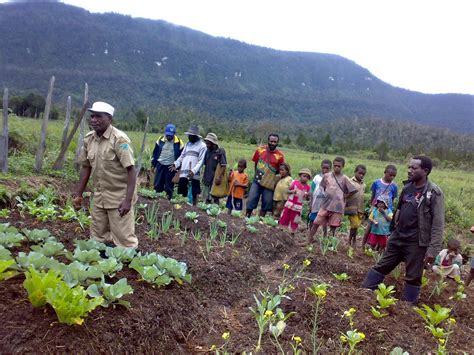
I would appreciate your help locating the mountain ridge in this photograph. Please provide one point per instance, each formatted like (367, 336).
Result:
(138, 62)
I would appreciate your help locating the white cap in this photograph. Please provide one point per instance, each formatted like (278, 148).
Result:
(102, 107)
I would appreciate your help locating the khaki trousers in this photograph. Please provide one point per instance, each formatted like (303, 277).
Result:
(108, 226)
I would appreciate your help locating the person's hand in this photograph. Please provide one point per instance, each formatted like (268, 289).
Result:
(77, 202)
(172, 168)
(429, 259)
(124, 207)
(191, 174)
(472, 229)
(218, 180)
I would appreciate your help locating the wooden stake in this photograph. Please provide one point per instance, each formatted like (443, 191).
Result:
(4, 136)
(44, 128)
(80, 139)
(65, 130)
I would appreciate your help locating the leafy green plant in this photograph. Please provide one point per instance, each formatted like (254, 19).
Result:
(192, 215)
(36, 283)
(384, 300)
(148, 193)
(151, 214)
(5, 254)
(197, 236)
(5, 213)
(350, 252)
(123, 255)
(77, 273)
(36, 260)
(234, 238)
(459, 295)
(50, 248)
(251, 229)
(71, 304)
(213, 210)
(203, 206)
(438, 287)
(86, 256)
(38, 235)
(166, 221)
(221, 224)
(10, 239)
(351, 337)
(5, 274)
(213, 230)
(112, 293)
(270, 221)
(277, 326)
(177, 224)
(89, 244)
(236, 213)
(7, 228)
(341, 277)
(109, 266)
(433, 317)
(328, 244)
(252, 220)
(319, 291)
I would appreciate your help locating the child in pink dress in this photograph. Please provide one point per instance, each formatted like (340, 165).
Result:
(298, 192)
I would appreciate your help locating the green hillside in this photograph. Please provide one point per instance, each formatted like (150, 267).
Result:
(138, 63)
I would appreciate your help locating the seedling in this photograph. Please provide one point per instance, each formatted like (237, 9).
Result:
(268, 220)
(439, 287)
(193, 216)
(319, 291)
(252, 220)
(166, 221)
(177, 224)
(151, 214)
(203, 206)
(213, 211)
(197, 236)
(5, 274)
(222, 224)
(213, 230)
(236, 213)
(341, 277)
(459, 295)
(433, 318)
(148, 193)
(235, 238)
(352, 337)
(5, 213)
(350, 252)
(251, 229)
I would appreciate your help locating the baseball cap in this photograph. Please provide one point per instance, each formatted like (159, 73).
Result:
(170, 130)
(102, 107)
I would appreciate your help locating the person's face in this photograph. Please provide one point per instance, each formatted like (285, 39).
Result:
(415, 172)
(453, 250)
(304, 178)
(240, 168)
(193, 138)
(169, 138)
(325, 168)
(389, 175)
(272, 143)
(283, 171)
(337, 167)
(208, 144)
(359, 174)
(100, 121)
(381, 205)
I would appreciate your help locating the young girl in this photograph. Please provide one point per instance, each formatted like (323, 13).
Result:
(281, 190)
(298, 192)
(238, 182)
(449, 261)
(380, 218)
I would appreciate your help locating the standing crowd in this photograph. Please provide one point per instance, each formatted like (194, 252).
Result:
(411, 232)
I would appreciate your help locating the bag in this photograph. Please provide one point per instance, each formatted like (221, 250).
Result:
(175, 178)
(269, 178)
(221, 189)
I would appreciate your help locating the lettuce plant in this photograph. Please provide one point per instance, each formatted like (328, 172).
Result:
(5, 274)
(112, 293)
(50, 248)
(36, 283)
(38, 235)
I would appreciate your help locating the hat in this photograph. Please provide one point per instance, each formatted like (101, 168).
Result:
(170, 130)
(211, 137)
(305, 171)
(384, 200)
(193, 131)
(102, 107)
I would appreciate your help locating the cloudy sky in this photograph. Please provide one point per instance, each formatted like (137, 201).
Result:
(422, 45)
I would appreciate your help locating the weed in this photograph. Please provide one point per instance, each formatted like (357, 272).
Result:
(166, 221)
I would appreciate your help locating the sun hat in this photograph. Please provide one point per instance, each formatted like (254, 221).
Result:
(383, 199)
(211, 137)
(170, 130)
(102, 107)
(193, 131)
(305, 171)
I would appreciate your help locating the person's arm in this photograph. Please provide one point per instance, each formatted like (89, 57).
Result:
(373, 188)
(437, 225)
(202, 154)
(155, 156)
(179, 161)
(126, 204)
(84, 176)
(223, 162)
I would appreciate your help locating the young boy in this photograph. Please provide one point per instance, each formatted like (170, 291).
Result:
(317, 194)
(449, 261)
(238, 182)
(337, 188)
(355, 204)
(383, 188)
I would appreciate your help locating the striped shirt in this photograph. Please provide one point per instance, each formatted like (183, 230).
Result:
(192, 156)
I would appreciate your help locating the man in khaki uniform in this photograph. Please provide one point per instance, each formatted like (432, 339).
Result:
(107, 155)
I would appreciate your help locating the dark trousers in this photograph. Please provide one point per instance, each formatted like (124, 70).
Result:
(163, 177)
(408, 251)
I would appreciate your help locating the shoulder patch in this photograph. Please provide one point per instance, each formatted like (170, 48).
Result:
(89, 134)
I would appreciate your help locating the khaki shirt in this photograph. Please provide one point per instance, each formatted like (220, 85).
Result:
(355, 203)
(108, 156)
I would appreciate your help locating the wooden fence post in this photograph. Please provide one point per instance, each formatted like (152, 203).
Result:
(80, 139)
(67, 120)
(139, 160)
(4, 136)
(44, 128)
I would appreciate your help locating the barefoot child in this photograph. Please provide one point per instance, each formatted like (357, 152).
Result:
(280, 196)
(449, 261)
(380, 218)
(355, 204)
(298, 192)
(238, 182)
(337, 188)
(385, 188)
(317, 194)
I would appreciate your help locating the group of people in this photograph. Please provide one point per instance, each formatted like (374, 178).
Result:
(411, 233)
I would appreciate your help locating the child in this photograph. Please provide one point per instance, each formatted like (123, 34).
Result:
(449, 261)
(355, 204)
(385, 188)
(298, 192)
(281, 190)
(470, 276)
(317, 194)
(337, 188)
(380, 218)
(238, 182)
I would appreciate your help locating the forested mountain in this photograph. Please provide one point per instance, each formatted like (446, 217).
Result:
(139, 63)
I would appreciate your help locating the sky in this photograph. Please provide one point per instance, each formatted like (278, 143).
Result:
(419, 45)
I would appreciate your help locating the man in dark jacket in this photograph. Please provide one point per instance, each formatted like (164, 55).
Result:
(417, 230)
(167, 149)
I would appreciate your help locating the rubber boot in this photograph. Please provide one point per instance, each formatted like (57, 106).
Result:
(373, 279)
(411, 293)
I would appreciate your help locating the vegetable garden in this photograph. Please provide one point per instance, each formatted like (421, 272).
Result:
(204, 281)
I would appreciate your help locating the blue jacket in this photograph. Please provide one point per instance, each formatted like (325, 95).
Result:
(178, 148)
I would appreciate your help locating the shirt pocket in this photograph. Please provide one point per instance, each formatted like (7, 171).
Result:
(109, 155)
(91, 158)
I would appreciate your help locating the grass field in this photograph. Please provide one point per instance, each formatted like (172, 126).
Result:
(459, 191)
